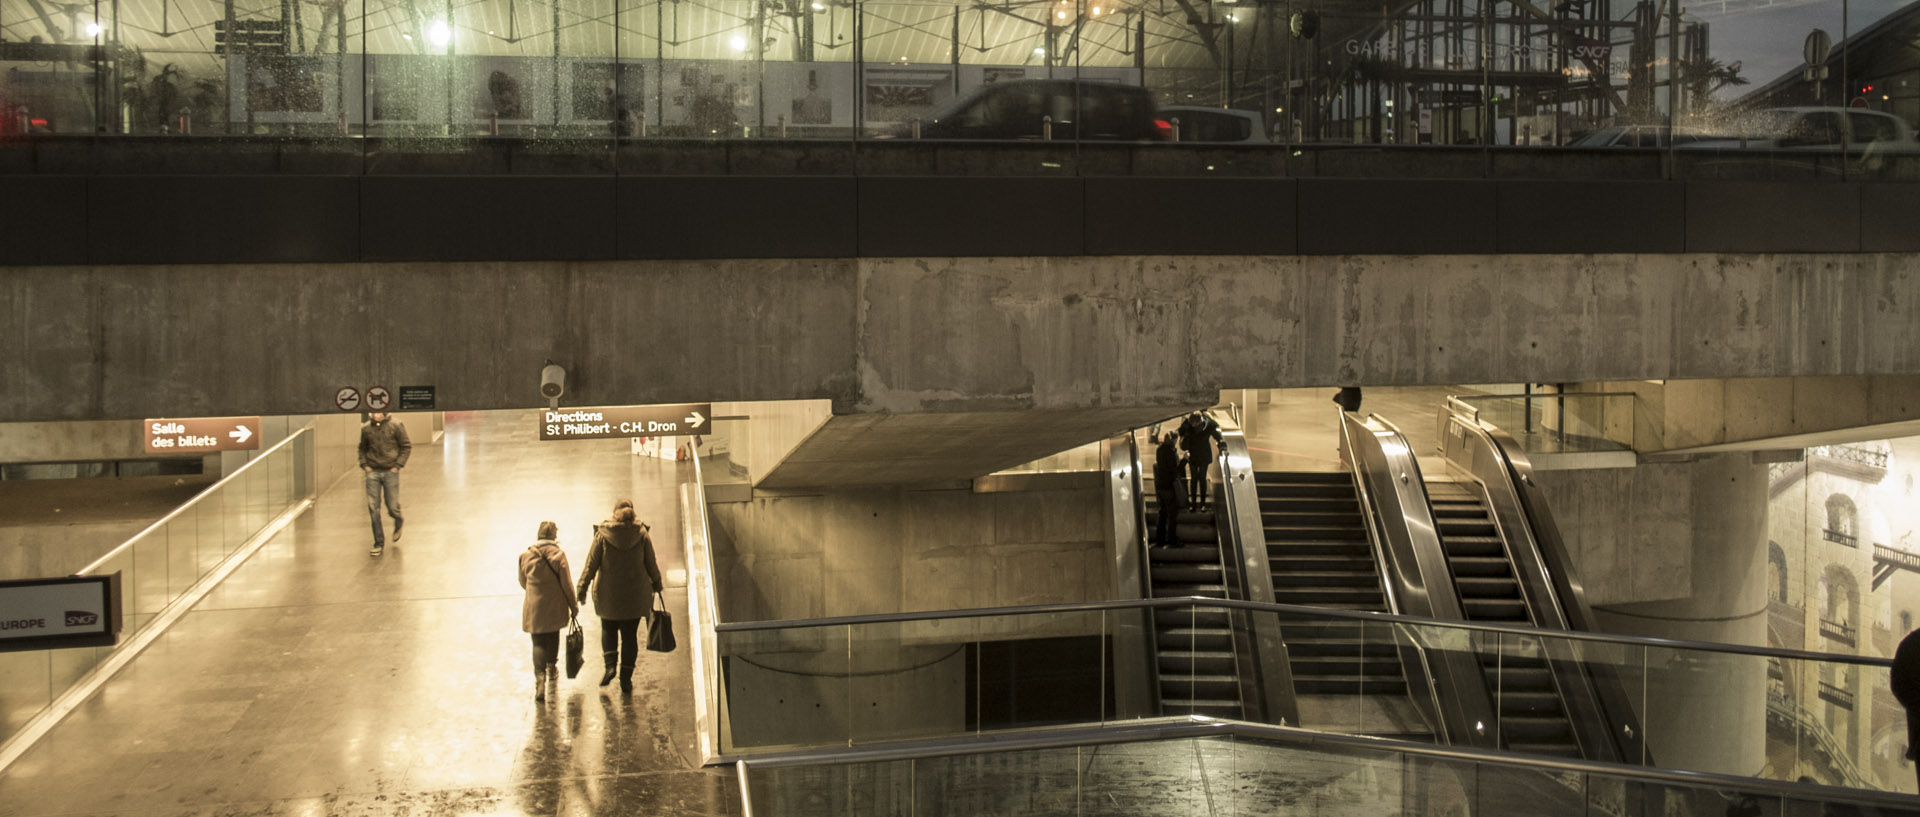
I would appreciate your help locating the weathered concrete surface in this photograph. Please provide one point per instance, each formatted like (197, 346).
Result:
(1773, 412)
(856, 552)
(930, 335)
(934, 447)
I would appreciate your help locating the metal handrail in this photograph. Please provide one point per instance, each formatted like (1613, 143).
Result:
(1197, 726)
(1308, 612)
(189, 504)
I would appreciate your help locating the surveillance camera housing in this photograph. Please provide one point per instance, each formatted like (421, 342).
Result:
(553, 383)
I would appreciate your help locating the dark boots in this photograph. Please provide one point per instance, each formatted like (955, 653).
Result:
(611, 659)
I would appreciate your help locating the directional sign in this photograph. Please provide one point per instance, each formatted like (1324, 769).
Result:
(625, 421)
(201, 435)
(79, 611)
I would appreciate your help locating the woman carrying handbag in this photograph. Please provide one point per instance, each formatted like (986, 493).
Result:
(549, 605)
(622, 559)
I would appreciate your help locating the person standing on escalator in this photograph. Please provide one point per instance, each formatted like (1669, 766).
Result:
(1198, 433)
(1168, 491)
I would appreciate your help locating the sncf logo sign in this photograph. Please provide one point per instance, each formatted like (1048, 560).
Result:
(82, 618)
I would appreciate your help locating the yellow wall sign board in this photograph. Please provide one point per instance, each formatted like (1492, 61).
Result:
(201, 435)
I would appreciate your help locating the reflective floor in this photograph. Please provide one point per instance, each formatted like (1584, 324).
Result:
(1298, 429)
(320, 681)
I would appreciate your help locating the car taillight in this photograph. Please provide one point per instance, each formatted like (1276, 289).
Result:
(1163, 130)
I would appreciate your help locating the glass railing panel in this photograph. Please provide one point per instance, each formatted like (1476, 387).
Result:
(182, 535)
(786, 688)
(25, 688)
(146, 585)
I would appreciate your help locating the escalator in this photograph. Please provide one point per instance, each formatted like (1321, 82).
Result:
(1194, 651)
(1319, 555)
(1532, 717)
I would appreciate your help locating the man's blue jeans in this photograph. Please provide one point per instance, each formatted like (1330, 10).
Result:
(378, 483)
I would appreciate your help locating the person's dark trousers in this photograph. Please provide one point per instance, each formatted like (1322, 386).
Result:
(1197, 482)
(546, 649)
(1172, 499)
(387, 484)
(621, 636)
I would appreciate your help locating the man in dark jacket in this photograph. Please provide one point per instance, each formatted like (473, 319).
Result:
(1168, 491)
(1197, 435)
(384, 449)
(1905, 681)
(623, 561)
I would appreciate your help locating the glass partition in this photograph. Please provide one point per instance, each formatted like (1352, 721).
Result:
(1238, 774)
(1560, 423)
(161, 564)
(1727, 88)
(1670, 705)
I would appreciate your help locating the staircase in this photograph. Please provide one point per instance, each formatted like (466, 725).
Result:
(1319, 554)
(1195, 648)
(1532, 717)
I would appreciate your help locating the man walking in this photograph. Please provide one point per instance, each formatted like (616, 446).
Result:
(1169, 493)
(384, 449)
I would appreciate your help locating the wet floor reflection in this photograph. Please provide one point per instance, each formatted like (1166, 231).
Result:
(320, 681)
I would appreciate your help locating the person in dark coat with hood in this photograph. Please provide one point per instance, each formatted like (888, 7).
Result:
(1198, 433)
(1168, 491)
(1906, 688)
(622, 559)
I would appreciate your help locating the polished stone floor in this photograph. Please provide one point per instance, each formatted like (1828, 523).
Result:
(1298, 429)
(320, 681)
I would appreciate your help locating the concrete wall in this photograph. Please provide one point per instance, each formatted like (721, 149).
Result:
(1702, 523)
(772, 430)
(1679, 414)
(71, 442)
(931, 334)
(849, 553)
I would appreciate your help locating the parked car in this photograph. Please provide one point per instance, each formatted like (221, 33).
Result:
(1081, 109)
(1818, 129)
(1203, 124)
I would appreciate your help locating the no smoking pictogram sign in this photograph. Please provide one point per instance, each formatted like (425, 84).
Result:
(378, 398)
(347, 398)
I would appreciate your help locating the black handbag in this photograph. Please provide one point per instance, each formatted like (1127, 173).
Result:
(660, 628)
(576, 650)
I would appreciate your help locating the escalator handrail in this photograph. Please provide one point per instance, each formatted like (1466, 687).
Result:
(1600, 715)
(1309, 612)
(1267, 680)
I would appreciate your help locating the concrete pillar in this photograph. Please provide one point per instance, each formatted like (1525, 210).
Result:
(1703, 712)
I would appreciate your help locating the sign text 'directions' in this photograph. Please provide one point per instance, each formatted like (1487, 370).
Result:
(625, 421)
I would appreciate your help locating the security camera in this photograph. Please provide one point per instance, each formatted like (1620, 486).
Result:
(553, 383)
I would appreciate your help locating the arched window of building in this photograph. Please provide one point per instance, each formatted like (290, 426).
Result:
(1839, 606)
(1777, 564)
(1840, 521)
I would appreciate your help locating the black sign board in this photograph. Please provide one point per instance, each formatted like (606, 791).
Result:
(49, 614)
(416, 398)
(626, 421)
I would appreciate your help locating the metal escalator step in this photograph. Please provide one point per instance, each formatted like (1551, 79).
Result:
(1209, 553)
(1174, 590)
(1478, 587)
(1478, 566)
(1309, 563)
(1536, 730)
(1356, 578)
(1216, 708)
(1194, 656)
(1327, 596)
(1347, 686)
(1564, 750)
(1190, 573)
(1495, 610)
(1310, 504)
(1530, 704)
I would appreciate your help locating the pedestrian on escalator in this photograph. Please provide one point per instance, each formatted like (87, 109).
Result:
(1168, 491)
(1198, 434)
(384, 449)
(1348, 397)
(1905, 681)
(549, 605)
(622, 559)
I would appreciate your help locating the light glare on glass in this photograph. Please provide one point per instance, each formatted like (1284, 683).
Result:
(440, 34)
(93, 29)
(739, 43)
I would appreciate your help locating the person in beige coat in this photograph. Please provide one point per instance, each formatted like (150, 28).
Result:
(548, 606)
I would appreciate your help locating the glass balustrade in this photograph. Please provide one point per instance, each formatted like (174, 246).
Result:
(161, 564)
(1696, 707)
